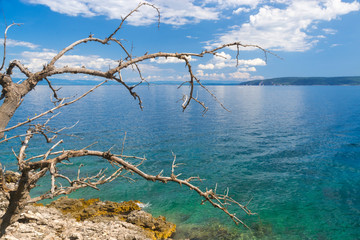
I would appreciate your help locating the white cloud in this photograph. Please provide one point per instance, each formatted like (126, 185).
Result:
(35, 60)
(287, 29)
(241, 10)
(234, 3)
(329, 31)
(191, 37)
(222, 55)
(335, 45)
(153, 77)
(248, 69)
(243, 72)
(238, 75)
(151, 68)
(280, 25)
(163, 60)
(210, 76)
(252, 62)
(206, 66)
(16, 43)
(221, 62)
(172, 11)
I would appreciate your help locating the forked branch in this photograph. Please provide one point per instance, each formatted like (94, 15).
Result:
(220, 201)
(60, 105)
(34, 168)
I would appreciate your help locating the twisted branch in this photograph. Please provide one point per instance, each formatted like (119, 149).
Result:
(220, 201)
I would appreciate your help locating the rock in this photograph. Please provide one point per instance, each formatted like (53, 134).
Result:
(82, 209)
(159, 226)
(38, 222)
(81, 219)
(11, 180)
(3, 203)
(12, 177)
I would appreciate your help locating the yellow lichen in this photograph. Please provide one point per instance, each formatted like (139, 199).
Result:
(38, 204)
(165, 234)
(82, 209)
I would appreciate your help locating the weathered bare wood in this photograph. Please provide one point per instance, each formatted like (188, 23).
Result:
(62, 104)
(219, 201)
(18, 200)
(34, 168)
(11, 101)
(5, 38)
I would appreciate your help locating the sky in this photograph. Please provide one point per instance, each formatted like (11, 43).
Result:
(309, 38)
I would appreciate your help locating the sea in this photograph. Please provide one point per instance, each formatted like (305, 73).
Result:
(290, 153)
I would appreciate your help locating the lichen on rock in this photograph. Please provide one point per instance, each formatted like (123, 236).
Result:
(82, 219)
(159, 226)
(130, 211)
(82, 209)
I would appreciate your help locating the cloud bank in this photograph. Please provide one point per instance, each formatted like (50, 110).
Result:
(277, 25)
(287, 28)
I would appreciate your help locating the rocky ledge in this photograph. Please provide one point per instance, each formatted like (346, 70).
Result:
(73, 219)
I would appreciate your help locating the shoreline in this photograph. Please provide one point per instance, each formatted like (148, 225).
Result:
(69, 218)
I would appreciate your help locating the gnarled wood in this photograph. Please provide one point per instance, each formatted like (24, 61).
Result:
(34, 168)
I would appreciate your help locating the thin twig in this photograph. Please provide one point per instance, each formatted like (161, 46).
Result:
(5, 37)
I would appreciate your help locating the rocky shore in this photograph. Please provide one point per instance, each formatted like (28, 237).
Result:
(82, 219)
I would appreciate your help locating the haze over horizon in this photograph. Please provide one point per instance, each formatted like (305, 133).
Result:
(313, 38)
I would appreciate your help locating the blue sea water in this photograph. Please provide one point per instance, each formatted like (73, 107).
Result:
(293, 151)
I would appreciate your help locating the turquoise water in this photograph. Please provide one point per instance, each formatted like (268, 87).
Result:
(295, 151)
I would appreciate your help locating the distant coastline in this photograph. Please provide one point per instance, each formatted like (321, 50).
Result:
(282, 81)
(304, 81)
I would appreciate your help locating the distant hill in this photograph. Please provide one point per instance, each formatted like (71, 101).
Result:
(306, 81)
(284, 81)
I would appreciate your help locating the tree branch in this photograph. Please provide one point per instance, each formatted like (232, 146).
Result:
(62, 104)
(220, 201)
(21, 67)
(5, 37)
(130, 13)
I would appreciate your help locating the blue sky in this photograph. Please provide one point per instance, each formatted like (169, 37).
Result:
(313, 38)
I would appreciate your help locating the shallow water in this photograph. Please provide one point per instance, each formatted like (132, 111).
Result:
(295, 151)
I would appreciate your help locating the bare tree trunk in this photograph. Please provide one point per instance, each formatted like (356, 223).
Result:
(12, 97)
(7, 110)
(17, 201)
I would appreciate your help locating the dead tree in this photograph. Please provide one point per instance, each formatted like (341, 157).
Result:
(34, 168)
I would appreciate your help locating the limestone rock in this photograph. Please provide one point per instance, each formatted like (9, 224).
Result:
(81, 219)
(82, 209)
(12, 177)
(159, 226)
(49, 223)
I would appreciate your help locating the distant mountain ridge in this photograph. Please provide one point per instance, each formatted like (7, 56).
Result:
(285, 81)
